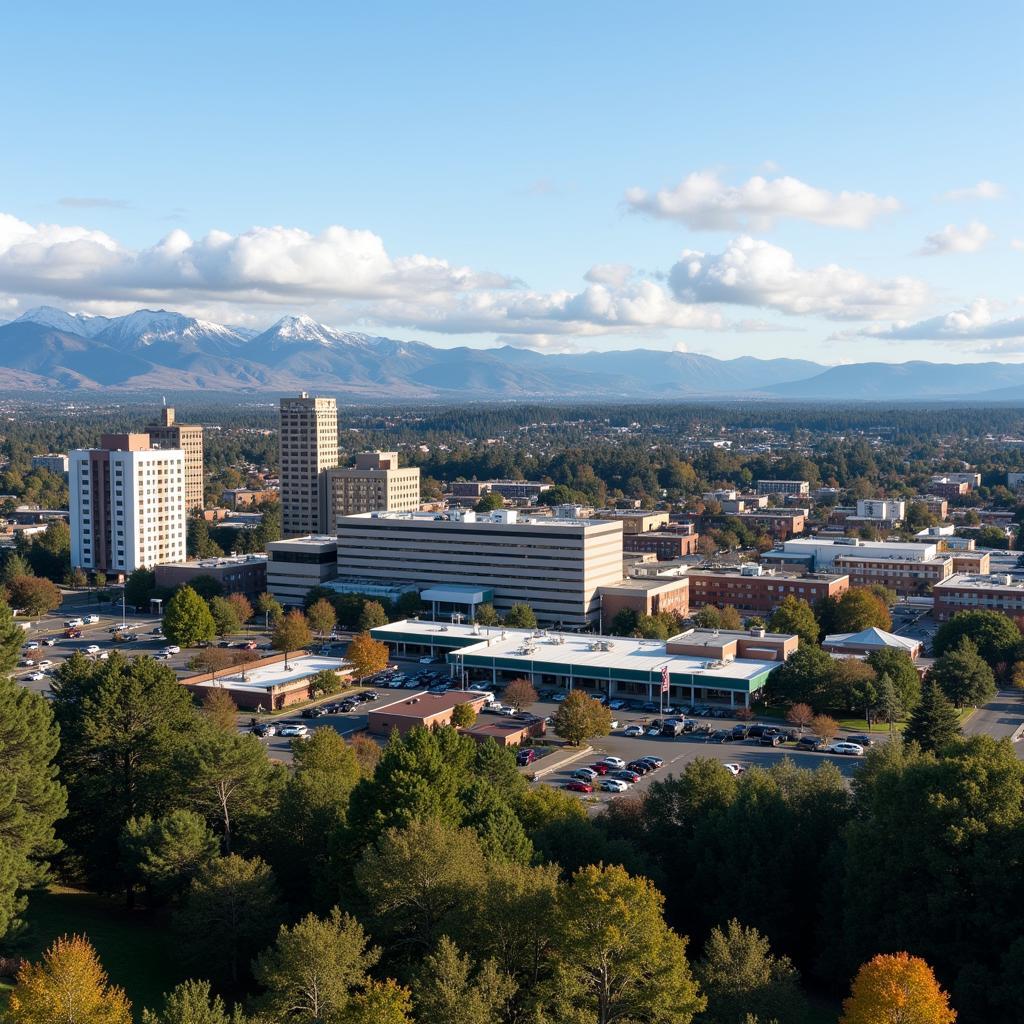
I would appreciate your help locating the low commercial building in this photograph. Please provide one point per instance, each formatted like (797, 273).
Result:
(867, 641)
(801, 487)
(296, 565)
(506, 733)
(375, 484)
(907, 576)
(245, 497)
(819, 554)
(266, 684)
(426, 710)
(729, 667)
(1000, 592)
(666, 545)
(237, 574)
(555, 566)
(636, 520)
(759, 591)
(650, 596)
(778, 525)
(976, 562)
(948, 487)
(511, 490)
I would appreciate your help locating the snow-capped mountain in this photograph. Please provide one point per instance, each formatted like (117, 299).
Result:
(290, 331)
(73, 323)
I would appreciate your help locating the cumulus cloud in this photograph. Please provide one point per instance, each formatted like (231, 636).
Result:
(752, 272)
(982, 190)
(616, 274)
(703, 201)
(971, 238)
(972, 323)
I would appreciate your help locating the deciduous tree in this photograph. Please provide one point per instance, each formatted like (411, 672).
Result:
(33, 595)
(826, 727)
(896, 988)
(291, 633)
(519, 693)
(580, 717)
(795, 615)
(322, 617)
(192, 1002)
(225, 616)
(463, 715)
(187, 619)
(451, 989)
(963, 675)
(486, 615)
(366, 656)
(800, 715)
(994, 635)
(372, 616)
(520, 616)
(859, 609)
(270, 608)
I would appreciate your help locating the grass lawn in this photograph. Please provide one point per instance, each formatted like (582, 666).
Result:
(136, 948)
(854, 724)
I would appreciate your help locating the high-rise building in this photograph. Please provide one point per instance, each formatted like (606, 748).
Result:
(309, 446)
(127, 505)
(374, 484)
(189, 438)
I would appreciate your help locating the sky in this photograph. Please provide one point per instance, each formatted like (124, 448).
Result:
(832, 182)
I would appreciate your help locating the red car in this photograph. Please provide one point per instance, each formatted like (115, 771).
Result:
(601, 769)
(579, 787)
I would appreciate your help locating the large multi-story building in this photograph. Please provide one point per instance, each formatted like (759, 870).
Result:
(189, 438)
(1001, 592)
(309, 446)
(666, 545)
(888, 511)
(948, 487)
(556, 566)
(800, 487)
(57, 464)
(127, 505)
(751, 588)
(296, 565)
(778, 525)
(374, 484)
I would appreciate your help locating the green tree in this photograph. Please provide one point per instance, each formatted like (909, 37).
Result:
(372, 616)
(653, 627)
(198, 543)
(617, 959)
(994, 635)
(139, 587)
(11, 639)
(859, 609)
(225, 616)
(740, 975)
(31, 798)
(381, 1002)
(322, 617)
(422, 882)
(33, 595)
(902, 675)
(489, 502)
(451, 989)
(623, 622)
(463, 716)
(803, 678)
(14, 567)
(270, 608)
(795, 615)
(165, 854)
(291, 633)
(580, 717)
(325, 682)
(310, 972)
(187, 619)
(520, 616)
(963, 675)
(934, 723)
(192, 1002)
(231, 911)
(486, 615)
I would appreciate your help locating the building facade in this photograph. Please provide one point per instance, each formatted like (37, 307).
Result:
(56, 464)
(237, 574)
(665, 544)
(907, 576)
(801, 487)
(308, 437)
(296, 565)
(127, 505)
(374, 484)
(1000, 592)
(512, 490)
(751, 589)
(555, 566)
(189, 438)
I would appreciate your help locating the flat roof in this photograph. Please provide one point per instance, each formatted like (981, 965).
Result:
(772, 574)
(583, 654)
(547, 522)
(458, 593)
(426, 705)
(983, 581)
(215, 563)
(266, 677)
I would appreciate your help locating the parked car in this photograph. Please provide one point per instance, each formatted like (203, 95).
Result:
(735, 769)
(525, 757)
(93, 649)
(861, 741)
(32, 645)
(348, 705)
(739, 732)
(650, 759)
(616, 705)
(613, 762)
(600, 768)
(811, 743)
(770, 739)
(578, 786)
(584, 773)
(844, 747)
(721, 736)
(755, 731)
(171, 649)
(294, 729)
(314, 712)
(92, 618)
(649, 706)
(49, 642)
(641, 767)
(45, 663)
(633, 730)
(36, 676)
(672, 727)
(559, 697)
(627, 775)
(614, 785)
(265, 729)
(73, 623)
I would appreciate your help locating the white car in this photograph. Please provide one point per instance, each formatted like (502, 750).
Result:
(49, 642)
(585, 774)
(92, 618)
(655, 730)
(507, 711)
(295, 729)
(74, 623)
(171, 649)
(45, 663)
(614, 762)
(93, 649)
(854, 749)
(614, 785)
(735, 769)
(36, 676)
(103, 655)
(633, 730)
(32, 646)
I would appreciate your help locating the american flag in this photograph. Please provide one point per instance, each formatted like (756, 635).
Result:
(664, 678)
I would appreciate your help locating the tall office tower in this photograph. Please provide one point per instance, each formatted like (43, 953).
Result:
(189, 437)
(374, 484)
(127, 504)
(309, 445)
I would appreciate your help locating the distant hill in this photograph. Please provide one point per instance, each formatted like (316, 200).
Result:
(163, 350)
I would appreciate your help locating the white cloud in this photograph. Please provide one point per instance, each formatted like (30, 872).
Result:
(1018, 244)
(752, 272)
(615, 274)
(703, 201)
(982, 190)
(972, 323)
(970, 238)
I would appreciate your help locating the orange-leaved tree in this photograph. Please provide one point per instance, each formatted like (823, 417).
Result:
(896, 988)
(69, 986)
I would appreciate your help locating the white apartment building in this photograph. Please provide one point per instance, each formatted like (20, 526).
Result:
(127, 505)
(308, 445)
(820, 555)
(554, 565)
(887, 510)
(296, 565)
(374, 484)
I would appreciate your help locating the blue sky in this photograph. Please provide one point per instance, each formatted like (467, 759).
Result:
(470, 175)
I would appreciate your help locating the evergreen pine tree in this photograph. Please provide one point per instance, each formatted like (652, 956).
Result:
(934, 723)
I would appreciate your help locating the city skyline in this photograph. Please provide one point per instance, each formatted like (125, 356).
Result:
(489, 180)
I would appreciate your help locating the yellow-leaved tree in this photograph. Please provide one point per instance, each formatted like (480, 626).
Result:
(69, 986)
(896, 988)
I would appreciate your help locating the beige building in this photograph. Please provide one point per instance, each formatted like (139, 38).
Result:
(556, 566)
(127, 505)
(296, 565)
(189, 438)
(374, 484)
(309, 446)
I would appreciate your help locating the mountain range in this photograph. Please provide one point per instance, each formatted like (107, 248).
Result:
(159, 350)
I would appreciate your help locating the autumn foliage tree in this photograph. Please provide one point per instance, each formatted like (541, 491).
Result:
(366, 655)
(896, 988)
(69, 986)
(800, 715)
(519, 693)
(291, 633)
